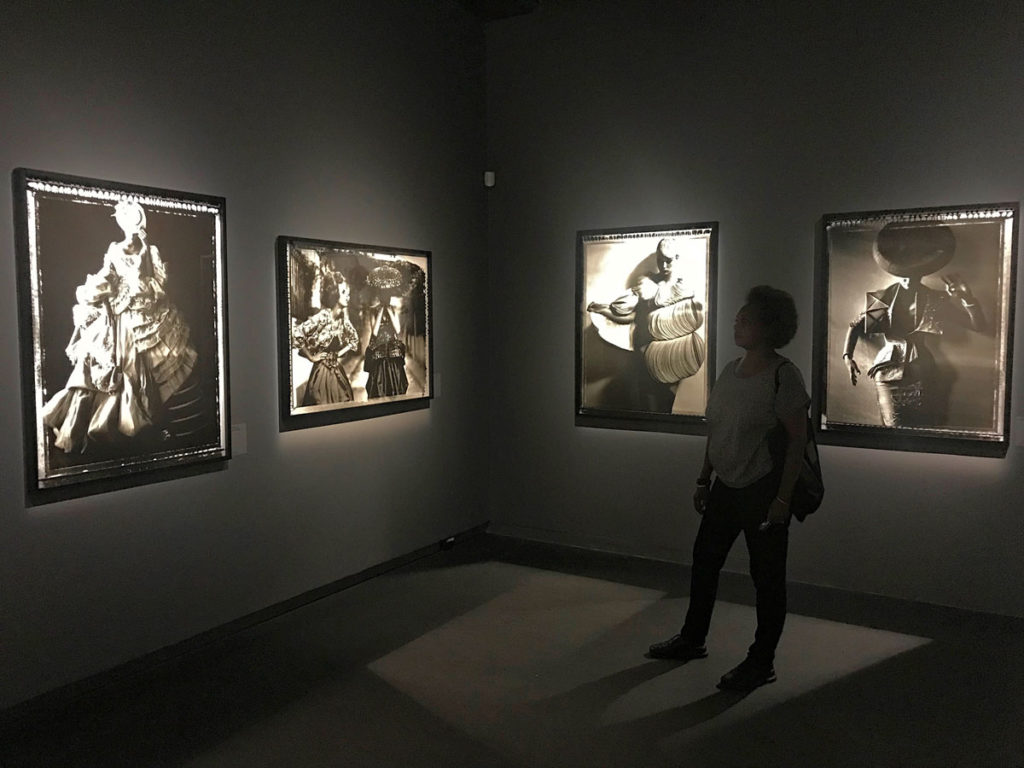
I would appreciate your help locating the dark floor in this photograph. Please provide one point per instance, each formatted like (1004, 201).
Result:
(507, 653)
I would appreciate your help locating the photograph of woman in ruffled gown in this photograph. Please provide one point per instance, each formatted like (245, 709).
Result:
(123, 310)
(131, 379)
(129, 351)
(644, 335)
(364, 341)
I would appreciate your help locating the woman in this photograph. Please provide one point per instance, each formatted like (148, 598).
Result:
(384, 362)
(324, 339)
(665, 317)
(130, 349)
(751, 397)
(905, 316)
(660, 289)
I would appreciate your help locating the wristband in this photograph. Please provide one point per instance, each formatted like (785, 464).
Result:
(783, 503)
(703, 483)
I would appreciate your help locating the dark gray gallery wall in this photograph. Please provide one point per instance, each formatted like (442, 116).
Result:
(357, 121)
(762, 116)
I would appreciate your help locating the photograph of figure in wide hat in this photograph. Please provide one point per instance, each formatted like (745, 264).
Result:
(919, 319)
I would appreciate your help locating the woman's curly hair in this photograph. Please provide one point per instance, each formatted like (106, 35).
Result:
(777, 312)
(329, 283)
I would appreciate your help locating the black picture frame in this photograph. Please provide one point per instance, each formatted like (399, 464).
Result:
(124, 353)
(925, 297)
(371, 357)
(645, 337)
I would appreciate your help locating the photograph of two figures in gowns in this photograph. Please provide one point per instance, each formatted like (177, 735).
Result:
(356, 327)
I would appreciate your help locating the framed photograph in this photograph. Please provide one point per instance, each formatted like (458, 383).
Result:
(645, 308)
(123, 315)
(914, 326)
(354, 337)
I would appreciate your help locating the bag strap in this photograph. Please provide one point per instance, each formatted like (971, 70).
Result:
(810, 423)
(778, 368)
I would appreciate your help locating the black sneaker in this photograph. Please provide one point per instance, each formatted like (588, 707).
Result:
(677, 648)
(746, 676)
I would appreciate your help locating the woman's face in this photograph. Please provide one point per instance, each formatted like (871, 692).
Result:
(666, 266)
(666, 259)
(747, 329)
(344, 293)
(129, 219)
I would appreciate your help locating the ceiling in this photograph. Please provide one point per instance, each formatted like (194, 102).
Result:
(490, 10)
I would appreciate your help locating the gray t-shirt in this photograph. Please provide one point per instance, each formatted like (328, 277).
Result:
(742, 411)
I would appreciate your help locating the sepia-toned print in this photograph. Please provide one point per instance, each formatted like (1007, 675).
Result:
(354, 330)
(916, 328)
(644, 326)
(123, 311)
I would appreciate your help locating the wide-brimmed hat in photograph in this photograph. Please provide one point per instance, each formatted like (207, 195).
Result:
(914, 248)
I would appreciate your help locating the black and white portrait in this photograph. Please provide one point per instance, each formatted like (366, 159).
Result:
(917, 325)
(123, 312)
(645, 298)
(354, 324)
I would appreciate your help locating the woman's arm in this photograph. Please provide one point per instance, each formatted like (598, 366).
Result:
(159, 268)
(99, 287)
(703, 490)
(305, 337)
(796, 436)
(852, 337)
(396, 319)
(376, 323)
(622, 309)
(959, 291)
(313, 357)
(344, 344)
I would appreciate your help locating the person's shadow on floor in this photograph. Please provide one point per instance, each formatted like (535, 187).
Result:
(572, 721)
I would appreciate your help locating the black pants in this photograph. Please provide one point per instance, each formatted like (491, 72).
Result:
(730, 511)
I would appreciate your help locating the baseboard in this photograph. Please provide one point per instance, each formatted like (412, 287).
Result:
(591, 543)
(879, 611)
(736, 565)
(59, 698)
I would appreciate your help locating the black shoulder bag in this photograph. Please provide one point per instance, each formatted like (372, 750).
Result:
(809, 488)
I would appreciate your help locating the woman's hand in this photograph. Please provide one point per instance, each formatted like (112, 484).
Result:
(313, 357)
(957, 288)
(851, 366)
(778, 512)
(700, 499)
